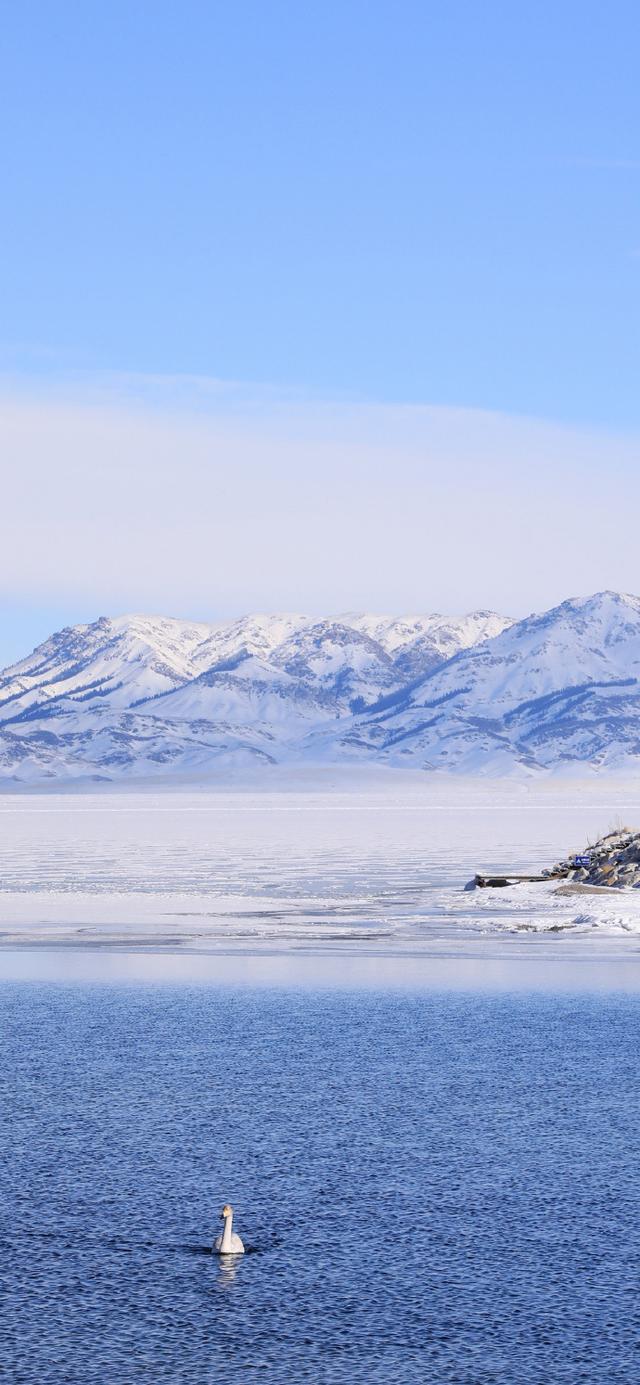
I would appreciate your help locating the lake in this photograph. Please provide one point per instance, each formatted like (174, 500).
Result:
(433, 1185)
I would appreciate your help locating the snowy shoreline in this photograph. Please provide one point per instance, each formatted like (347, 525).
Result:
(376, 866)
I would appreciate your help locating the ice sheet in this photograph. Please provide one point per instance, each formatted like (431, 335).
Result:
(381, 868)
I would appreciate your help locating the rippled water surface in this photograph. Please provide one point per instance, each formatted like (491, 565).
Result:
(433, 1187)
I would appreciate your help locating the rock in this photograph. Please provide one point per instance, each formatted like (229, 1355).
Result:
(614, 862)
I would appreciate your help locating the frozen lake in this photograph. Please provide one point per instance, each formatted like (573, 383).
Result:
(376, 870)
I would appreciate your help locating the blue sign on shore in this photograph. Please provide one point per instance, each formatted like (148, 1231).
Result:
(582, 860)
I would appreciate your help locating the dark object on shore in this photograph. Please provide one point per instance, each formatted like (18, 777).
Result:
(499, 882)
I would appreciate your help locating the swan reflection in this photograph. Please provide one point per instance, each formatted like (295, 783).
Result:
(228, 1269)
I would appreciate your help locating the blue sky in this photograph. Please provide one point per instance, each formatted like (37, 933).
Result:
(407, 201)
(379, 204)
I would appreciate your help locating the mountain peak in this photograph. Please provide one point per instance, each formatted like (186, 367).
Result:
(559, 687)
(602, 601)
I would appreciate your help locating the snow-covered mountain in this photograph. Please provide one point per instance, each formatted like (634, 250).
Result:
(113, 662)
(419, 644)
(552, 690)
(134, 696)
(138, 694)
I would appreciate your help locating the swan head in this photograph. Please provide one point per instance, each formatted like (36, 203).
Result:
(227, 1211)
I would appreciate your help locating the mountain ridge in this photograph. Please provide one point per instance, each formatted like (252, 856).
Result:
(491, 702)
(138, 696)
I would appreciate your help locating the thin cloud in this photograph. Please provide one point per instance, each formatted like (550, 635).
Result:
(263, 502)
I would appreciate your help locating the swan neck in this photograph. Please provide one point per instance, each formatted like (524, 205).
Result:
(226, 1235)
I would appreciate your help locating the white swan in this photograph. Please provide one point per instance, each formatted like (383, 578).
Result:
(228, 1243)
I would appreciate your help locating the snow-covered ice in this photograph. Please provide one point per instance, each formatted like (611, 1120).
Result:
(378, 864)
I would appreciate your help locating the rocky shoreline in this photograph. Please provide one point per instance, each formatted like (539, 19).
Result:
(612, 862)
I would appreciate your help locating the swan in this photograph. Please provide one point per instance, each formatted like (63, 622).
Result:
(228, 1243)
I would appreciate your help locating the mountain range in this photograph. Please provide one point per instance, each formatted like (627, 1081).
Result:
(133, 697)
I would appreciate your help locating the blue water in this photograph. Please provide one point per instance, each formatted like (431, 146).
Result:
(433, 1187)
